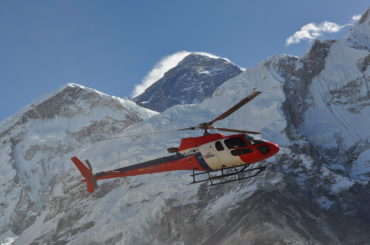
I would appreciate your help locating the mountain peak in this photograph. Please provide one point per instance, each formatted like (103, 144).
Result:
(74, 99)
(198, 58)
(365, 17)
(73, 85)
(191, 81)
(71, 88)
(50, 105)
(58, 102)
(358, 36)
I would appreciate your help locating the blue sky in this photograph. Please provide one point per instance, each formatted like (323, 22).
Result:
(112, 45)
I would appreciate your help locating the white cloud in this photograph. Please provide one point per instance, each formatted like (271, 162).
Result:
(158, 71)
(162, 67)
(356, 18)
(312, 31)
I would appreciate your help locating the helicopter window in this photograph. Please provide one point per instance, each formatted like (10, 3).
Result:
(235, 143)
(239, 152)
(264, 149)
(219, 146)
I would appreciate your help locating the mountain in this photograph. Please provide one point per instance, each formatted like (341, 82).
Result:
(34, 144)
(359, 36)
(315, 191)
(195, 78)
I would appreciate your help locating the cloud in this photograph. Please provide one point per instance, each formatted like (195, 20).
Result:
(162, 67)
(356, 18)
(158, 71)
(312, 31)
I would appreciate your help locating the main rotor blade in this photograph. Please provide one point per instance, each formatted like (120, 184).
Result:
(235, 107)
(236, 130)
(191, 128)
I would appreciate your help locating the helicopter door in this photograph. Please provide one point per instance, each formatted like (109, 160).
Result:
(218, 156)
(211, 156)
(224, 153)
(230, 156)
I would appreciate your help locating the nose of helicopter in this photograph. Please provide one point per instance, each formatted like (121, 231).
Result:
(268, 149)
(274, 148)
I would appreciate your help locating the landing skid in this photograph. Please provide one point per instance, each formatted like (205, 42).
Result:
(226, 175)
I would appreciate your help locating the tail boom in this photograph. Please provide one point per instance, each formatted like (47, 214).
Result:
(164, 164)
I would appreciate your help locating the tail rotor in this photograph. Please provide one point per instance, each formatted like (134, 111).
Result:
(87, 173)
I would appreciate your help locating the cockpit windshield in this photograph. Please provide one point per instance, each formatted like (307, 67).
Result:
(252, 140)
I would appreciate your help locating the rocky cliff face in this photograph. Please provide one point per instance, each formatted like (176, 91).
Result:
(315, 191)
(195, 78)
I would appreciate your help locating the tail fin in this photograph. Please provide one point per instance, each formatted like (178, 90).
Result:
(86, 173)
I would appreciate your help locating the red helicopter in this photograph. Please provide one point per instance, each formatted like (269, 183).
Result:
(216, 158)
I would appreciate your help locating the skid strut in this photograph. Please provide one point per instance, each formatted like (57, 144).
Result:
(226, 175)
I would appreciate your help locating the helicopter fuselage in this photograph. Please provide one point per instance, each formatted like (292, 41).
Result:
(219, 151)
(209, 153)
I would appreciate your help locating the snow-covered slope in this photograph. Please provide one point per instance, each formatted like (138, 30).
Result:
(35, 142)
(315, 191)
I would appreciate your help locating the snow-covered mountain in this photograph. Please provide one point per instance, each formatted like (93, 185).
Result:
(191, 81)
(315, 191)
(359, 36)
(35, 142)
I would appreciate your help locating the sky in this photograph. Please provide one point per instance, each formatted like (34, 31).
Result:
(113, 46)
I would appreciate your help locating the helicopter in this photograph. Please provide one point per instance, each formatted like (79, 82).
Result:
(212, 157)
